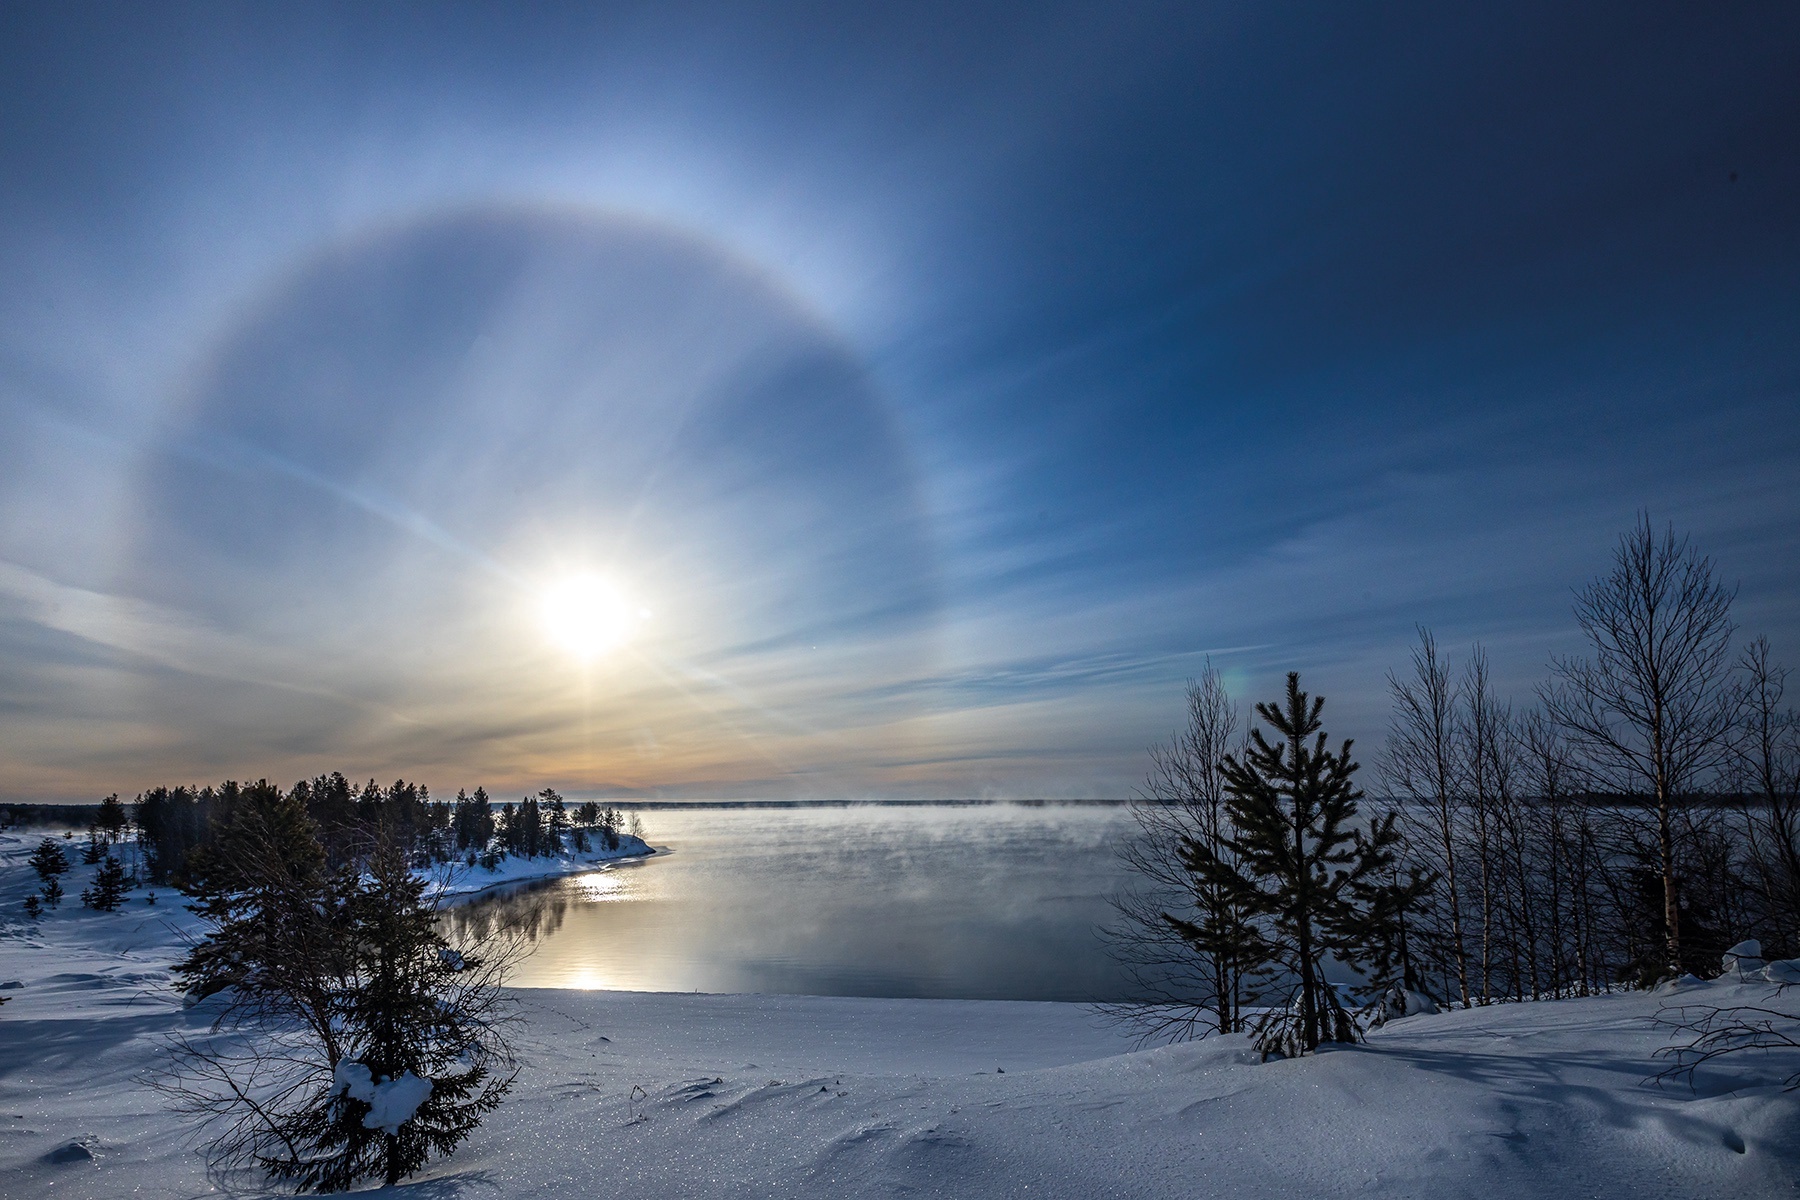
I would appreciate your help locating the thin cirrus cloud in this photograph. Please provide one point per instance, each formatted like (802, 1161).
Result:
(948, 386)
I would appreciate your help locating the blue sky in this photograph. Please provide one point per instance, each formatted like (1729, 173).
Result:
(938, 387)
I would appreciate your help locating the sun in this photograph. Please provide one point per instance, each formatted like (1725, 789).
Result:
(587, 615)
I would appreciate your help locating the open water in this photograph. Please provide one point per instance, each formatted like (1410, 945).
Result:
(997, 901)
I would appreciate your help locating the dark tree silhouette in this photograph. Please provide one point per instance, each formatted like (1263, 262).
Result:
(50, 863)
(1318, 884)
(109, 886)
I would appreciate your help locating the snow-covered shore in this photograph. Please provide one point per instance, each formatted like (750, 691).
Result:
(653, 1095)
(460, 881)
(453, 881)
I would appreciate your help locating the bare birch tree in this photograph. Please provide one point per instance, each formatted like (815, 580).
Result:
(1560, 825)
(1178, 935)
(1420, 769)
(1481, 732)
(1652, 709)
(1766, 762)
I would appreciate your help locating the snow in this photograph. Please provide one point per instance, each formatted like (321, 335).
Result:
(659, 1095)
(458, 879)
(1785, 972)
(1743, 962)
(392, 1102)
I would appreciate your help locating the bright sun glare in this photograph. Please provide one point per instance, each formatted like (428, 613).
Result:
(587, 616)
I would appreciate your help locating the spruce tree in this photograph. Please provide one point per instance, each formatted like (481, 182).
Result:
(524, 833)
(1317, 883)
(109, 886)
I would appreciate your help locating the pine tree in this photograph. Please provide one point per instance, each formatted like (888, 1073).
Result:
(417, 1070)
(260, 884)
(49, 861)
(555, 818)
(170, 824)
(372, 1044)
(109, 886)
(331, 804)
(524, 832)
(1318, 884)
(472, 820)
(112, 819)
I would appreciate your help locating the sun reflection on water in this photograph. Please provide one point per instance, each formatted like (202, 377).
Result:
(600, 885)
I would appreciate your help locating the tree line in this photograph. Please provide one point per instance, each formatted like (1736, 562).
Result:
(1633, 821)
(175, 823)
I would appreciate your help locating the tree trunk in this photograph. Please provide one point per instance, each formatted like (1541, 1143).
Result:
(1665, 845)
(1309, 1015)
(1459, 951)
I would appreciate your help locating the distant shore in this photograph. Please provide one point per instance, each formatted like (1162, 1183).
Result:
(63, 814)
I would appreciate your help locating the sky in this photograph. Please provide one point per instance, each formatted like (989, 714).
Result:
(839, 401)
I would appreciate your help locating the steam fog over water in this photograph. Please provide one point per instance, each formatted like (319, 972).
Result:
(980, 902)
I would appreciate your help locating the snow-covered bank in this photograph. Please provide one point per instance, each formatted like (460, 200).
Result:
(461, 880)
(454, 880)
(692, 1095)
(659, 1095)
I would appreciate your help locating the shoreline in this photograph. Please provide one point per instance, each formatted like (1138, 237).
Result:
(457, 886)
